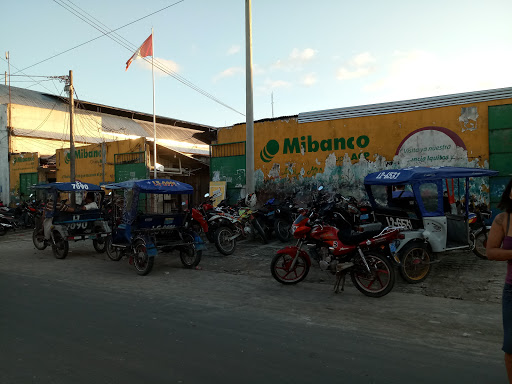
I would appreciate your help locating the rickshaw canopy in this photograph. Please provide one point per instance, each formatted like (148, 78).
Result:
(418, 176)
(77, 186)
(161, 186)
(413, 174)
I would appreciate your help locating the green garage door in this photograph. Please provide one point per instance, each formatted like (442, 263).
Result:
(500, 149)
(27, 180)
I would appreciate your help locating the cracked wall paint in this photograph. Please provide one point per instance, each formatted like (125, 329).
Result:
(468, 117)
(339, 153)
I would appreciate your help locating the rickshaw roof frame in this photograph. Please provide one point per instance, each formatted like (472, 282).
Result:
(70, 187)
(157, 186)
(412, 175)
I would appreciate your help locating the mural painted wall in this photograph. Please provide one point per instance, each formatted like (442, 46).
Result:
(95, 163)
(23, 168)
(340, 153)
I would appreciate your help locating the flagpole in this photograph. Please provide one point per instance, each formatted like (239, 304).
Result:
(154, 116)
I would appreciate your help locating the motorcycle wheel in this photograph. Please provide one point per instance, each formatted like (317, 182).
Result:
(224, 244)
(280, 269)
(379, 282)
(480, 244)
(113, 253)
(38, 239)
(141, 260)
(190, 257)
(259, 229)
(60, 247)
(282, 229)
(415, 262)
(3, 231)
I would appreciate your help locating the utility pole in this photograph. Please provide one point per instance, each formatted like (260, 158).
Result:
(9, 129)
(249, 125)
(5, 77)
(71, 134)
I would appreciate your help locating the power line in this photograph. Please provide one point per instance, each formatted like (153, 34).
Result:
(106, 31)
(96, 38)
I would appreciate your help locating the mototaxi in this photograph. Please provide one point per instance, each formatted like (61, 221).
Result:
(155, 217)
(70, 225)
(422, 200)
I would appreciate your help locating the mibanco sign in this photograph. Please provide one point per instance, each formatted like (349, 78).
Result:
(306, 144)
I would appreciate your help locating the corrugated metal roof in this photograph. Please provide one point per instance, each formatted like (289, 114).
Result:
(31, 98)
(95, 127)
(406, 105)
(170, 133)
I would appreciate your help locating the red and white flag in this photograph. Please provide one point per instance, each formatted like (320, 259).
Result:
(146, 49)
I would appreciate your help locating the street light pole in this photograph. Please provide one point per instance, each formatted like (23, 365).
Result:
(249, 125)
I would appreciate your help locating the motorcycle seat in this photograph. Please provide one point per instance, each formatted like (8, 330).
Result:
(357, 237)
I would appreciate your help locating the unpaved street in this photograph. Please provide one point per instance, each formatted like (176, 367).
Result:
(87, 319)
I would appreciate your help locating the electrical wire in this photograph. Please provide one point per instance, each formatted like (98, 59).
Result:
(131, 47)
(96, 38)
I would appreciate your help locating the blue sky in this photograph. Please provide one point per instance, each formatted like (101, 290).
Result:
(311, 55)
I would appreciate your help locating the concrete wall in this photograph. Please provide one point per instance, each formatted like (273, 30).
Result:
(4, 156)
(340, 153)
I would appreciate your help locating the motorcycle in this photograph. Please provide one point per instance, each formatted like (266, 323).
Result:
(7, 223)
(478, 229)
(367, 256)
(284, 216)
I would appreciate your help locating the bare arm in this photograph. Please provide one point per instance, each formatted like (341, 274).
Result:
(495, 238)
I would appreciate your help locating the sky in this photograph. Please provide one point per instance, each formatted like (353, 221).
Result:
(307, 55)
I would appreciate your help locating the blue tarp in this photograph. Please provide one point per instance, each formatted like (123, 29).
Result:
(164, 186)
(414, 174)
(70, 187)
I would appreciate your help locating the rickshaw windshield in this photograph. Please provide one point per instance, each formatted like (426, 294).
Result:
(152, 196)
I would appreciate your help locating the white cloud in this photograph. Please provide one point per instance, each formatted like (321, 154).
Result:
(295, 60)
(269, 85)
(229, 73)
(346, 74)
(166, 64)
(418, 73)
(358, 66)
(362, 59)
(309, 79)
(233, 49)
(306, 54)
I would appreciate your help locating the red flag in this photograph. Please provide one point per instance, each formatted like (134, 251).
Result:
(146, 49)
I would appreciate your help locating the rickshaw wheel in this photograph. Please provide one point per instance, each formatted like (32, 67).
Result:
(415, 262)
(189, 255)
(480, 243)
(60, 247)
(100, 244)
(141, 260)
(113, 254)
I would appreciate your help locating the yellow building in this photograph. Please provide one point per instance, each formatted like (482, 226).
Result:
(339, 147)
(35, 125)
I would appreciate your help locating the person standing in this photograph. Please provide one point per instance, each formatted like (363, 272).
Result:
(499, 248)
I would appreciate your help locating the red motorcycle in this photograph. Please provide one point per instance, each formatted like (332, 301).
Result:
(367, 256)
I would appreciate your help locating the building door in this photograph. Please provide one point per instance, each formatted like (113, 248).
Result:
(130, 166)
(500, 150)
(227, 163)
(27, 180)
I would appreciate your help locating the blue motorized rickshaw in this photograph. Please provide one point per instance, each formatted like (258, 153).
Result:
(155, 218)
(72, 213)
(423, 201)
